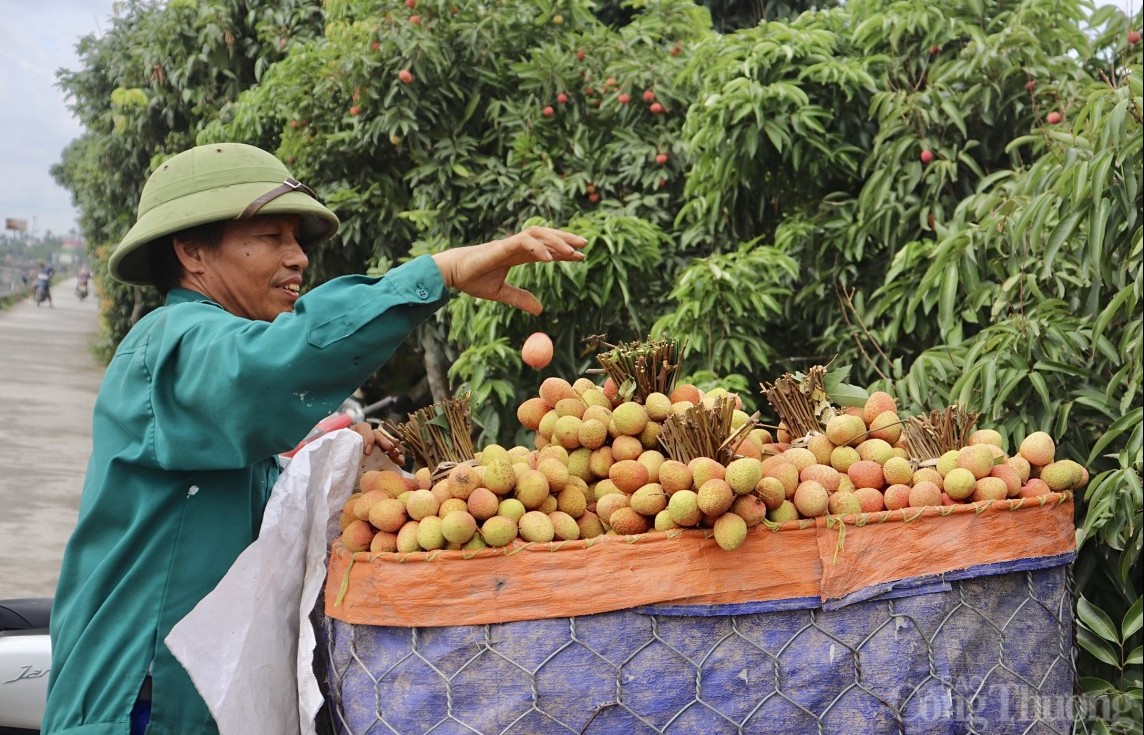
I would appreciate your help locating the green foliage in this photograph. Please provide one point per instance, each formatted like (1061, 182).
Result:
(148, 84)
(791, 221)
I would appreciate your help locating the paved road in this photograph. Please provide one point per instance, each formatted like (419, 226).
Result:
(48, 382)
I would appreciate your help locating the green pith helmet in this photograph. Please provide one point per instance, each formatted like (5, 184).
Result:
(214, 183)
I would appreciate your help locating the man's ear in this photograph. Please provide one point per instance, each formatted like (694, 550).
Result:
(190, 254)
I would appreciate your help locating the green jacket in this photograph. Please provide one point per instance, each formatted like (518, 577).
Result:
(191, 414)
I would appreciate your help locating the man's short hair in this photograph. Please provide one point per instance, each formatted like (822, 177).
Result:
(166, 268)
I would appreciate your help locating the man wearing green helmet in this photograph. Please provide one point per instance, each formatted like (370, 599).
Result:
(200, 398)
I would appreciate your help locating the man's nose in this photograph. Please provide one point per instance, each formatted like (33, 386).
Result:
(296, 257)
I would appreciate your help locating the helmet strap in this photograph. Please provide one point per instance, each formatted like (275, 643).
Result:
(287, 186)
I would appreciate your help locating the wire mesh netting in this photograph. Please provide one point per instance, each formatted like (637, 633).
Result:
(987, 654)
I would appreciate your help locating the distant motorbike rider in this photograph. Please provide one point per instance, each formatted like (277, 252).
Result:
(43, 286)
(81, 280)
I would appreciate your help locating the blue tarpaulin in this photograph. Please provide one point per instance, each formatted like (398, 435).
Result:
(985, 650)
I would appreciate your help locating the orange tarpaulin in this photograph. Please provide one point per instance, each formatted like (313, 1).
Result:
(827, 558)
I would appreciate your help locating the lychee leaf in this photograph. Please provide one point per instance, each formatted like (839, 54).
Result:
(845, 394)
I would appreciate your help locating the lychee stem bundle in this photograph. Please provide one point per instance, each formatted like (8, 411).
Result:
(929, 437)
(438, 433)
(704, 432)
(650, 367)
(799, 403)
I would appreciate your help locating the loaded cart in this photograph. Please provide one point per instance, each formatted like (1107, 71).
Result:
(952, 619)
(661, 562)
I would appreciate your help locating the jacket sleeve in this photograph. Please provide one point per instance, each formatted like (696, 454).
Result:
(228, 391)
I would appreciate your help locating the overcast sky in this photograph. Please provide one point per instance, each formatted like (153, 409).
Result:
(38, 37)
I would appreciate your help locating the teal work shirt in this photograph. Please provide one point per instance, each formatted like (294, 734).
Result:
(192, 412)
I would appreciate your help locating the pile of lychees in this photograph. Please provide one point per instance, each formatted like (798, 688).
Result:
(598, 465)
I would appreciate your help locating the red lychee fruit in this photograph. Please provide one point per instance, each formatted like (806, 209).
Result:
(537, 350)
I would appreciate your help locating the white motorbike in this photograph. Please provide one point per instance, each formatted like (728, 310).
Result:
(25, 660)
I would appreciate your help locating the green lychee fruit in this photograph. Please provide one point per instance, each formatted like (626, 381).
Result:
(458, 527)
(593, 433)
(499, 531)
(511, 508)
(959, 483)
(407, 538)
(566, 432)
(429, 533)
(658, 406)
(571, 500)
(783, 513)
(683, 506)
(649, 499)
(1062, 475)
(663, 521)
(564, 526)
(743, 474)
(499, 476)
(947, 462)
(897, 470)
(875, 450)
(491, 452)
(844, 430)
(704, 469)
(630, 418)
(730, 531)
(532, 488)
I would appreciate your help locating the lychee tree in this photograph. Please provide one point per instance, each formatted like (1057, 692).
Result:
(758, 191)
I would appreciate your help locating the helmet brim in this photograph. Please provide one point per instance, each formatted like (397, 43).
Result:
(130, 262)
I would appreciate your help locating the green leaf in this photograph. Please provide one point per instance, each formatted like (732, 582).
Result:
(1100, 649)
(1096, 620)
(1136, 657)
(1132, 619)
(845, 394)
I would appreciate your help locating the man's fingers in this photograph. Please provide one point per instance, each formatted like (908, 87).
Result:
(366, 433)
(520, 298)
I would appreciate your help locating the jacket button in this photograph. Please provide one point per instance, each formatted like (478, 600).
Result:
(422, 293)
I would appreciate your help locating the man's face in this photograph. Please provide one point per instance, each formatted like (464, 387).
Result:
(256, 271)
